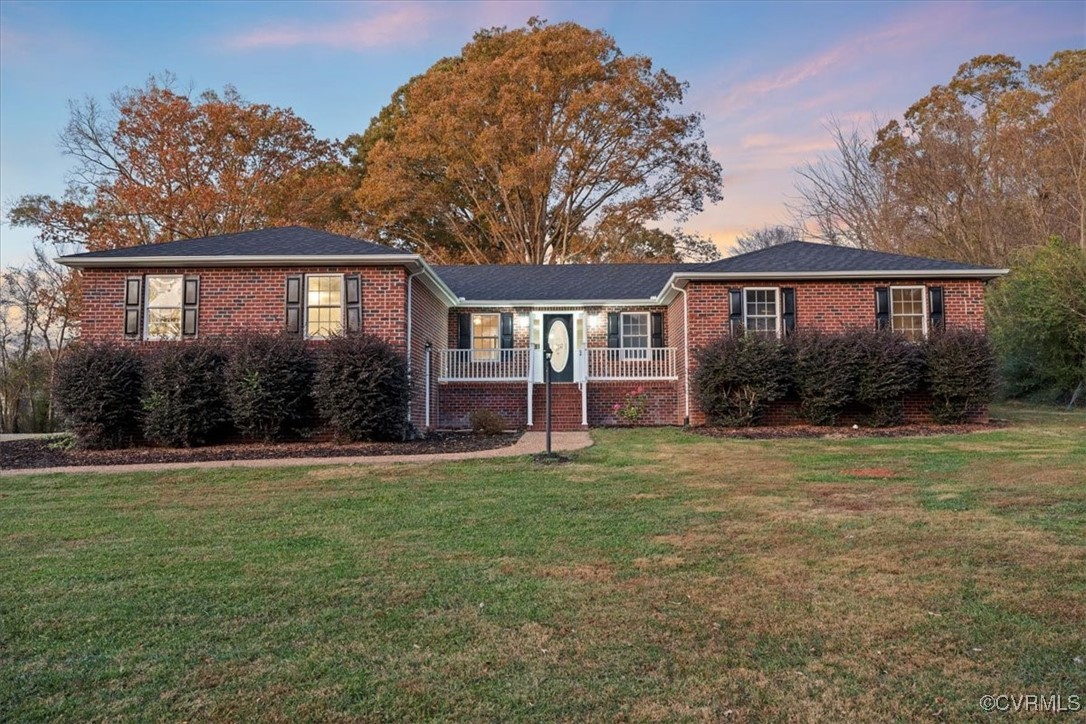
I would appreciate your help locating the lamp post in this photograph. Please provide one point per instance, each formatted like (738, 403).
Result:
(547, 352)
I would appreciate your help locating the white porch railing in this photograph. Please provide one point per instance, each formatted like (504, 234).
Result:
(474, 365)
(631, 364)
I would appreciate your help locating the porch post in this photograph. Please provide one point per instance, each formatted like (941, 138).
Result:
(583, 352)
(429, 354)
(531, 379)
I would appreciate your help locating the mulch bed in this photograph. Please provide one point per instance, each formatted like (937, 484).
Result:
(769, 432)
(41, 453)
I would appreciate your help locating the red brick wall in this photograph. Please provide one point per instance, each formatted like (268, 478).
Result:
(460, 399)
(235, 299)
(827, 306)
(428, 317)
(663, 399)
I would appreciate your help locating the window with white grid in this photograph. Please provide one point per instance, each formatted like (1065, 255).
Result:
(323, 305)
(485, 337)
(907, 315)
(761, 311)
(634, 335)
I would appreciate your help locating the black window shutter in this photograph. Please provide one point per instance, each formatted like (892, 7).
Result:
(190, 311)
(294, 305)
(735, 310)
(507, 330)
(133, 304)
(656, 320)
(354, 303)
(788, 309)
(614, 330)
(465, 331)
(935, 308)
(882, 307)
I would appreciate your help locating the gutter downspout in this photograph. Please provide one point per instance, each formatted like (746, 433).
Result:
(686, 350)
(410, 279)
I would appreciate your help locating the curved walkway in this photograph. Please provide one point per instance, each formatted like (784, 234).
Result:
(530, 443)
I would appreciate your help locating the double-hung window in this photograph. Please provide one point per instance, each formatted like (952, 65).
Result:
(761, 311)
(908, 316)
(165, 297)
(634, 335)
(323, 305)
(485, 337)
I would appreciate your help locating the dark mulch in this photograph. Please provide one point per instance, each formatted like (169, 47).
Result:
(769, 432)
(45, 453)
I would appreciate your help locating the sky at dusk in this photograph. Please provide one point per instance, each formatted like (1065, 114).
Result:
(767, 76)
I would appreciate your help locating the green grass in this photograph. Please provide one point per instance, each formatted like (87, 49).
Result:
(661, 575)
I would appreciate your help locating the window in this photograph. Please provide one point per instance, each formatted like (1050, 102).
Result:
(634, 335)
(164, 301)
(907, 314)
(323, 305)
(485, 337)
(760, 312)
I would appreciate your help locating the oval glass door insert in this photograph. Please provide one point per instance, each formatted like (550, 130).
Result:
(558, 339)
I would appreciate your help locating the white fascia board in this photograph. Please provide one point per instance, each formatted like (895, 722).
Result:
(667, 293)
(537, 304)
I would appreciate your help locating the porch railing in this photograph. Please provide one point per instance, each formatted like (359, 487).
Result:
(631, 363)
(475, 365)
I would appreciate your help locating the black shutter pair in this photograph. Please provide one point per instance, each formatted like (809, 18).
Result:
(464, 330)
(352, 292)
(133, 306)
(788, 310)
(936, 315)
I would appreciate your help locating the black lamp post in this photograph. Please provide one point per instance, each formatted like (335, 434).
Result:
(547, 353)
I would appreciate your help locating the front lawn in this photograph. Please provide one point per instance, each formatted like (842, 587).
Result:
(660, 575)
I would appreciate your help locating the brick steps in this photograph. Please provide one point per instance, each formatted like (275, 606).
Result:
(565, 406)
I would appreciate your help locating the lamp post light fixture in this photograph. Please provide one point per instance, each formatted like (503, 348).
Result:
(547, 354)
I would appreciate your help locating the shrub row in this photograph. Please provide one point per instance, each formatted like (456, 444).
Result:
(265, 387)
(738, 376)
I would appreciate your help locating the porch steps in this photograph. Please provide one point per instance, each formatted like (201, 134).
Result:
(565, 406)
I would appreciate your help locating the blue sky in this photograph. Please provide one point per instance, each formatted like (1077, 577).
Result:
(767, 76)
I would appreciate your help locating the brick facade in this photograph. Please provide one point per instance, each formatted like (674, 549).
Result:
(428, 315)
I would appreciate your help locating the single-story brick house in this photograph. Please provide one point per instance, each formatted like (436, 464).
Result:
(474, 335)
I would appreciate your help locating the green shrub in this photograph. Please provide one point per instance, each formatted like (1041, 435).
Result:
(184, 402)
(98, 390)
(487, 422)
(361, 388)
(826, 370)
(268, 379)
(738, 375)
(961, 373)
(890, 367)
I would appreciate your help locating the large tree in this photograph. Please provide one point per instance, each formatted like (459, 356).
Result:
(992, 162)
(527, 145)
(156, 164)
(766, 237)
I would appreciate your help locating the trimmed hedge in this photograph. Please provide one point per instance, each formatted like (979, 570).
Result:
(361, 388)
(738, 375)
(98, 389)
(268, 379)
(184, 401)
(962, 373)
(858, 371)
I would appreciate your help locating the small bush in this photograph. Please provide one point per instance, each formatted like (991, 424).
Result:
(738, 375)
(826, 370)
(487, 422)
(361, 388)
(633, 406)
(98, 390)
(184, 402)
(961, 373)
(890, 367)
(268, 379)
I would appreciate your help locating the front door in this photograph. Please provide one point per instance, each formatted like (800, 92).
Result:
(558, 337)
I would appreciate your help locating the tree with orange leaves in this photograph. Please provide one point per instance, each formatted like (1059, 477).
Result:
(157, 165)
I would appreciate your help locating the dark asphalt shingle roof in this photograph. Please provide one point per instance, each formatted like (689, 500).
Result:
(559, 282)
(282, 241)
(804, 256)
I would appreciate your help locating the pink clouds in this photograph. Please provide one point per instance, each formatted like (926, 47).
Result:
(391, 25)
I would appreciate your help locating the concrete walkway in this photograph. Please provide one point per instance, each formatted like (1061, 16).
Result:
(529, 443)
